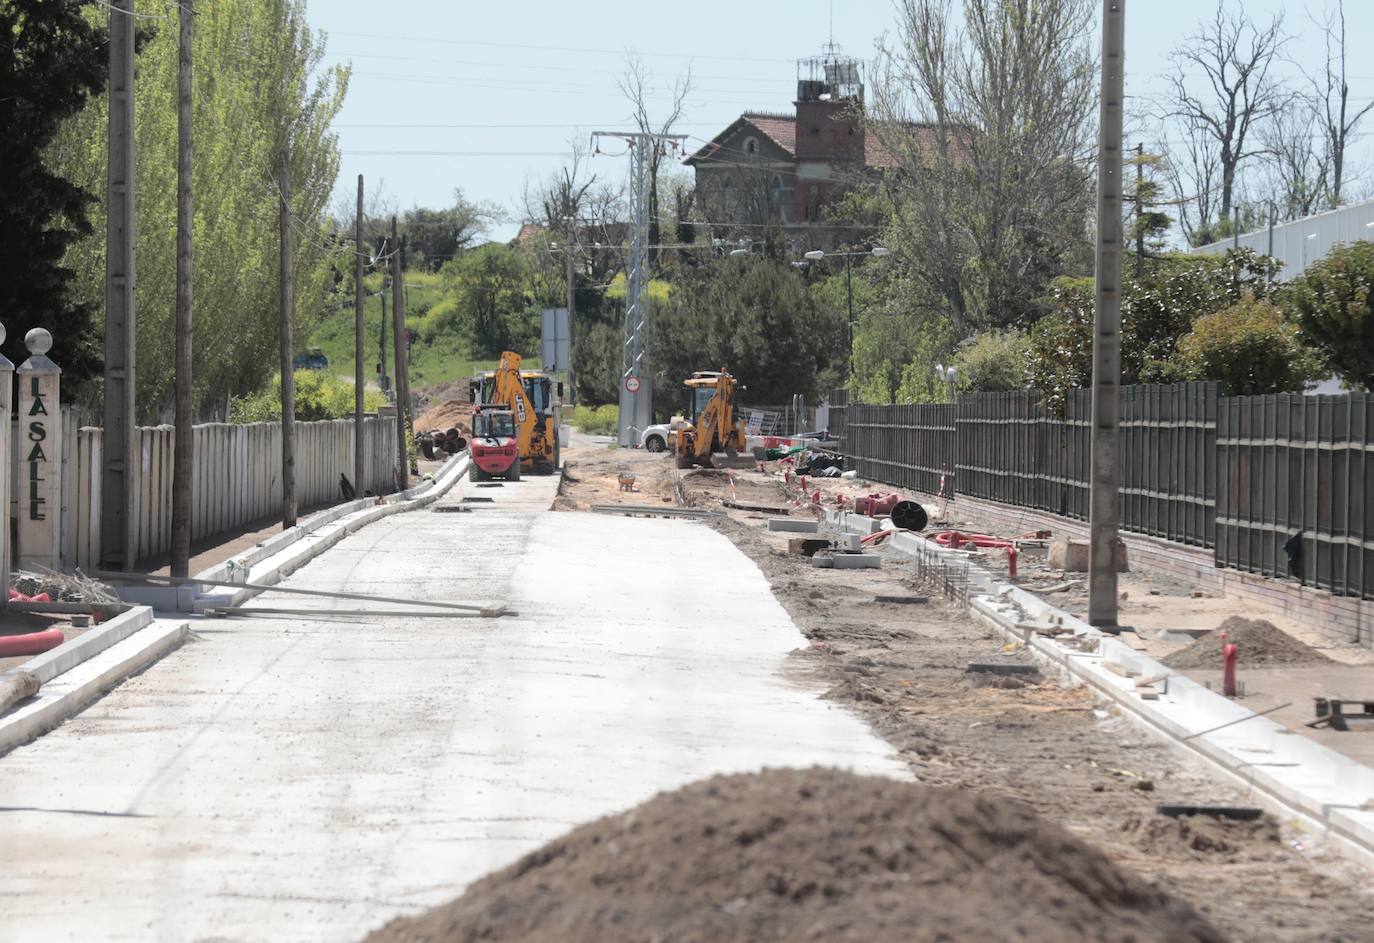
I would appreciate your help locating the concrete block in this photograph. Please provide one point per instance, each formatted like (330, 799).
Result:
(786, 525)
(1072, 555)
(851, 542)
(856, 561)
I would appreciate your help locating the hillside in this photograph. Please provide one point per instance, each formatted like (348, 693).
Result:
(444, 360)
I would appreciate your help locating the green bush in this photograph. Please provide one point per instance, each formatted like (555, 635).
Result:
(319, 395)
(1250, 348)
(994, 362)
(597, 420)
(1333, 303)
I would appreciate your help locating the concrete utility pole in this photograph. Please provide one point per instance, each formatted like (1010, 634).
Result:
(359, 297)
(398, 322)
(184, 451)
(1105, 488)
(636, 372)
(572, 303)
(1139, 211)
(383, 380)
(118, 457)
(286, 297)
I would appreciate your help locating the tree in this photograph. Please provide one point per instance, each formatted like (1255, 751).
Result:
(52, 60)
(435, 236)
(1333, 303)
(1299, 167)
(637, 87)
(1156, 311)
(259, 82)
(1250, 348)
(753, 316)
(1238, 94)
(491, 304)
(991, 125)
(1339, 124)
(1147, 227)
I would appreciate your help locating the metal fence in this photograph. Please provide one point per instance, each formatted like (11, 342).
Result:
(1298, 466)
(1241, 475)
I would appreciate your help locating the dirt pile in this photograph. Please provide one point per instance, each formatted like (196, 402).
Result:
(446, 415)
(1204, 836)
(1259, 642)
(812, 855)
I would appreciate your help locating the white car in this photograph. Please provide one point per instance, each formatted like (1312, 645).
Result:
(656, 438)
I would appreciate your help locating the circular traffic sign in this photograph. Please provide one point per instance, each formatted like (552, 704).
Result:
(632, 384)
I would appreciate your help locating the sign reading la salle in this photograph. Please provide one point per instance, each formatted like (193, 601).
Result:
(37, 458)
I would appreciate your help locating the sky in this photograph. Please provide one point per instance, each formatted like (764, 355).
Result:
(486, 96)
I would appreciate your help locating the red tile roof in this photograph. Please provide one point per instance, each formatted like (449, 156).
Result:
(782, 129)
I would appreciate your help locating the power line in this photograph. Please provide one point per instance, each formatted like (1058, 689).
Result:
(525, 67)
(573, 49)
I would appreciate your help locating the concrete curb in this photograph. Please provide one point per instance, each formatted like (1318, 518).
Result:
(68, 693)
(284, 553)
(1289, 773)
(68, 655)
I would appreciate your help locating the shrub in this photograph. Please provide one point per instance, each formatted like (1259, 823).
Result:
(994, 362)
(1250, 348)
(1333, 304)
(319, 395)
(597, 420)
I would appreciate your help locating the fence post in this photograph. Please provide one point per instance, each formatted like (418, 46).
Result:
(40, 424)
(6, 394)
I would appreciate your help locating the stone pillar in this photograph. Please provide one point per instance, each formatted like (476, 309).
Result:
(6, 401)
(40, 456)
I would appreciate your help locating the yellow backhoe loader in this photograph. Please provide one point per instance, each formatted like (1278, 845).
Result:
(529, 395)
(714, 426)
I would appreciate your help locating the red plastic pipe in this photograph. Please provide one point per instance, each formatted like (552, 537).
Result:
(1011, 561)
(34, 643)
(1229, 655)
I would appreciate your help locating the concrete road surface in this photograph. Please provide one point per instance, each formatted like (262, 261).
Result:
(308, 778)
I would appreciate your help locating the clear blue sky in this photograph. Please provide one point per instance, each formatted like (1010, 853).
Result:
(535, 73)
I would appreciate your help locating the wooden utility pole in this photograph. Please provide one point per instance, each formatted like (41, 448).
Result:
(118, 456)
(184, 451)
(1104, 497)
(359, 297)
(398, 322)
(286, 297)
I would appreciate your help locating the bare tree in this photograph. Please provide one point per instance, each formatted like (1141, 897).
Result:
(1333, 91)
(637, 87)
(1299, 166)
(991, 126)
(1221, 91)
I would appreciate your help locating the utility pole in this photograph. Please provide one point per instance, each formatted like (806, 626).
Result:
(359, 297)
(184, 450)
(636, 371)
(1235, 227)
(572, 304)
(1105, 486)
(398, 321)
(119, 459)
(382, 379)
(286, 298)
(1139, 211)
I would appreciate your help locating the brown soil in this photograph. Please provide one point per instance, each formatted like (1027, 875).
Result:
(446, 415)
(812, 855)
(1073, 760)
(1258, 643)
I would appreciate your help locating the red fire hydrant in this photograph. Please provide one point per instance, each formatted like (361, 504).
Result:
(1229, 655)
(1011, 562)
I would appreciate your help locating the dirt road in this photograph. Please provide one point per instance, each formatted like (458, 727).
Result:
(903, 668)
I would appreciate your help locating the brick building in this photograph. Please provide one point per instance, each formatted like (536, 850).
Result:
(786, 169)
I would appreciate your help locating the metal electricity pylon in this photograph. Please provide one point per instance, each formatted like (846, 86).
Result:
(636, 379)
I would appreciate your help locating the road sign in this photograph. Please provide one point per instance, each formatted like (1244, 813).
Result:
(632, 384)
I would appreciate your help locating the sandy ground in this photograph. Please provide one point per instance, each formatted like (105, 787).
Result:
(903, 667)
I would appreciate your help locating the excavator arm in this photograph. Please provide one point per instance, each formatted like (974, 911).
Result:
(533, 434)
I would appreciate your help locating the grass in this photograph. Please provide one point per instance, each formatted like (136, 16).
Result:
(443, 361)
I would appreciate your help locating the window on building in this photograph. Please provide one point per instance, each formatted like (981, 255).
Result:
(751, 145)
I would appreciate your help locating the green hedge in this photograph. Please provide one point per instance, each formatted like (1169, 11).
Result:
(319, 395)
(598, 420)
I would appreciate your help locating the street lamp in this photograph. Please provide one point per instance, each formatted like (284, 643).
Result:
(815, 255)
(948, 376)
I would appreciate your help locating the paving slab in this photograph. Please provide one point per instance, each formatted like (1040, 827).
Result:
(308, 778)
